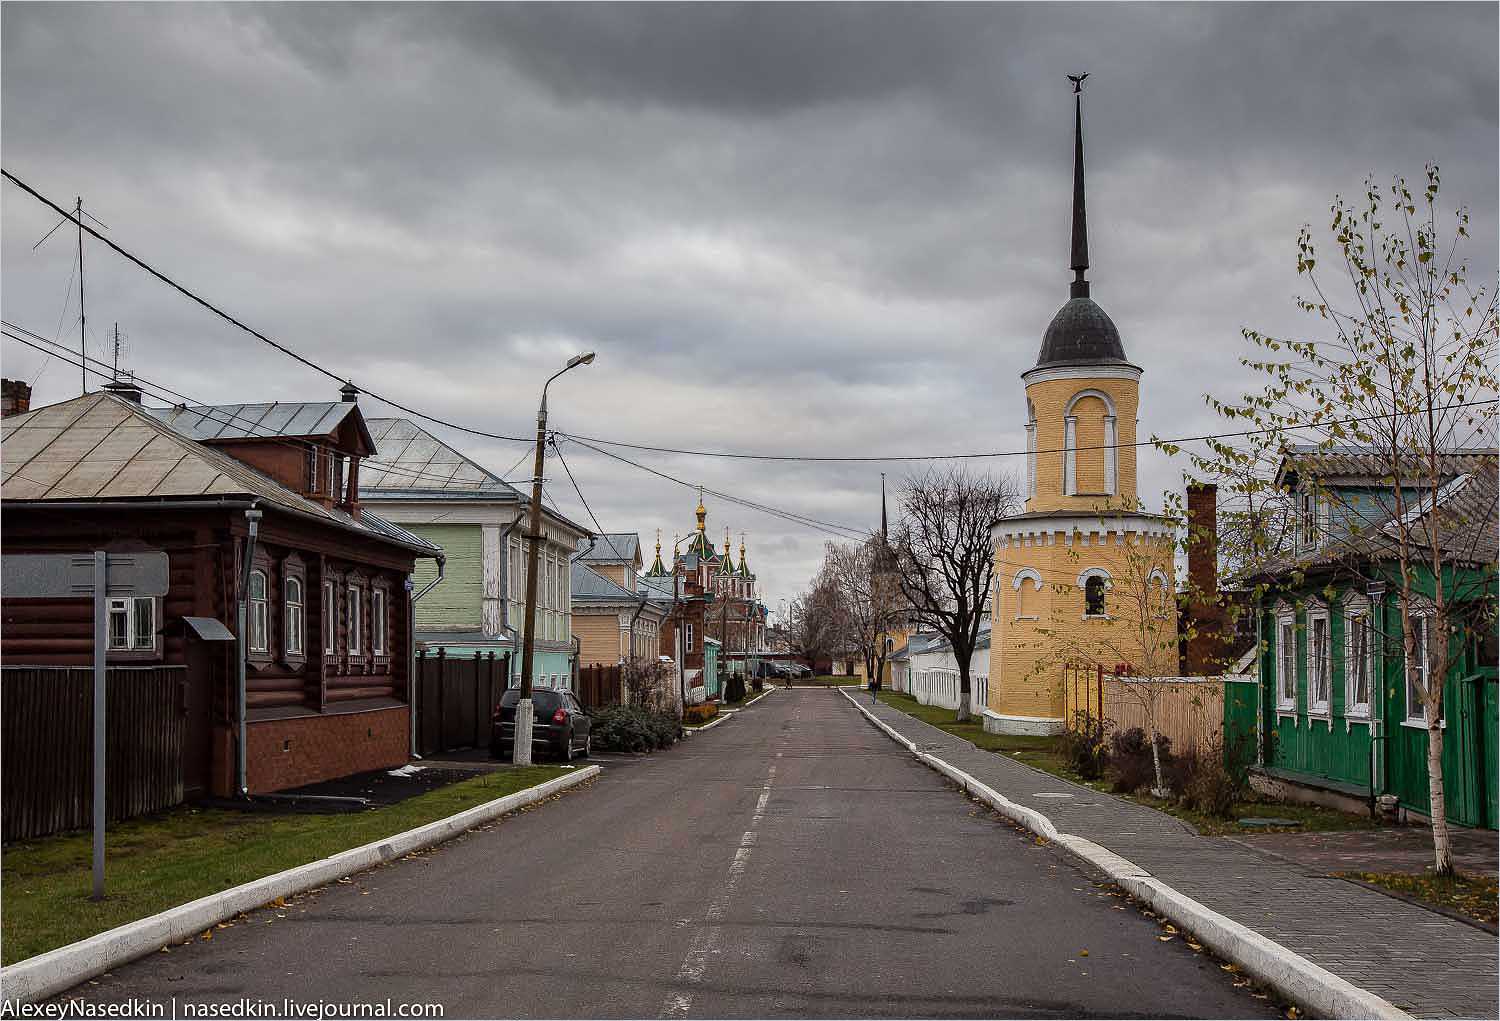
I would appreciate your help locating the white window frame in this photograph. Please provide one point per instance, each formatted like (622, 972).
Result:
(687, 641)
(1424, 661)
(135, 610)
(330, 618)
(1358, 620)
(1319, 668)
(256, 615)
(377, 621)
(352, 611)
(1285, 666)
(294, 612)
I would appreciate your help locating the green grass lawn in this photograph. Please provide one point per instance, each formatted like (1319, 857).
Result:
(1042, 753)
(1474, 896)
(159, 861)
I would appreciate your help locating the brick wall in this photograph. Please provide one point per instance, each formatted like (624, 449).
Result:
(307, 749)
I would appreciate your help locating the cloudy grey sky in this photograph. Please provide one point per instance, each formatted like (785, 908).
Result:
(814, 229)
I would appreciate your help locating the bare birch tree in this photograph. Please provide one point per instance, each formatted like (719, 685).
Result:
(945, 556)
(1401, 374)
(868, 598)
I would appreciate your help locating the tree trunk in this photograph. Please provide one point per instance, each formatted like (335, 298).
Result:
(1160, 790)
(1442, 847)
(963, 690)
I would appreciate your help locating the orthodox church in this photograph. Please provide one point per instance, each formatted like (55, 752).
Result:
(1058, 563)
(718, 601)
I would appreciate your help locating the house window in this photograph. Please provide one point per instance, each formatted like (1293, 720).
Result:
(688, 641)
(292, 602)
(259, 638)
(1318, 673)
(1093, 596)
(1309, 514)
(132, 624)
(1417, 672)
(1357, 661)
(330, 619)
(377, 622)
(1286, 664)
(353, 608)
(312, 469)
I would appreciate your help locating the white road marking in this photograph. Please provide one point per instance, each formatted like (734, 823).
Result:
(706, 943)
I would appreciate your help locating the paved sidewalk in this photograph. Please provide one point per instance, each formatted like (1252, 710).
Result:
(1428, 965)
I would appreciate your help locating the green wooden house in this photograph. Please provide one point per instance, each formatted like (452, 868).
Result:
(478, 519)
(1335, 718)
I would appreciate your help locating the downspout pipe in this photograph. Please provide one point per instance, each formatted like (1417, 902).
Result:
(508, 627)
(252, 523)
(411, 647)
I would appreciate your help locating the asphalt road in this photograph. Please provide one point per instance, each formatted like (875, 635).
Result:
(791, 862)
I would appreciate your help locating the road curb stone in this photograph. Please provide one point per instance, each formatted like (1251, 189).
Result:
(47, 974)
(1290, 974)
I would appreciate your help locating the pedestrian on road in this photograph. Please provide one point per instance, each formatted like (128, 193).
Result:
(875, 691)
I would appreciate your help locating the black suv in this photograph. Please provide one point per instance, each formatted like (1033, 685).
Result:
(559, 724)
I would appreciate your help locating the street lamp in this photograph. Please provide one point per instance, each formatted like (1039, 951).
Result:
(521, 743)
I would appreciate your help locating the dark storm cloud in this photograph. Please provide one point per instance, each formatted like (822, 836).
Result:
(833, 229)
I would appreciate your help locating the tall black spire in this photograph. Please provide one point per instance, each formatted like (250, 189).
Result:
(882, 505)
(1080, 286)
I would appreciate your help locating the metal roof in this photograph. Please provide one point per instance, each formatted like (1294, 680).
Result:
(103, 447)
(260, 421)
(612, 547)
(591, 586)
(1081, 334)
(412, 460)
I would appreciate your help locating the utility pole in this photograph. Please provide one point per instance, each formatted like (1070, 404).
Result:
(521, 742)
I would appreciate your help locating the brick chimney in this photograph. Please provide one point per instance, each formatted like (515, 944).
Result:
(1205, 612)
(1203, 539)
(15, 397)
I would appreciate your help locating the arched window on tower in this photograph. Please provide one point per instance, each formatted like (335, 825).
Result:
(1095, 584)
(1089, 423)
(1030, 450)
(1028, 586)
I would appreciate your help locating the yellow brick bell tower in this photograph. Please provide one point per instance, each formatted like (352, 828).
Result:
(1058, 563)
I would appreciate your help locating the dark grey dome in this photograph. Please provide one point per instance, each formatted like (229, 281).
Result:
(1080, 333)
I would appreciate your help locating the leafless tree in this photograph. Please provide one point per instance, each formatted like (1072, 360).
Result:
(945, 558)
(868, 600)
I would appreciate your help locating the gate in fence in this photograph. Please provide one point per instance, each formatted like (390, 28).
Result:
(1083, 693)
(600, 686)
(456, 696)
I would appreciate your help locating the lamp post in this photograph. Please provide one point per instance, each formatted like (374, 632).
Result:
(521, 743)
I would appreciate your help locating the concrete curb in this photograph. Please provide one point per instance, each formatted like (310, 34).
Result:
(725, 714)
(1310, 986)
(57, 970)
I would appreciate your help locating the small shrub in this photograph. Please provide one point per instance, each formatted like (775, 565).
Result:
(757, 683)
(1211, 782)
(1130, 765)
(624, 728)
(1084, 747)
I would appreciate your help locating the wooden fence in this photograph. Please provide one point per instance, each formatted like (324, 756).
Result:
(47, 753)
(1189, 710)
(456, 697)
(600, 686)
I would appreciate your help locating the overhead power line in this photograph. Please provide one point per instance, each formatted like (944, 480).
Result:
(602, 533)
(69, 216)
(303, 359)
(986, 454)
(217, 414)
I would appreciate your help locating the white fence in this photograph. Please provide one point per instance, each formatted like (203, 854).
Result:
(940, 688)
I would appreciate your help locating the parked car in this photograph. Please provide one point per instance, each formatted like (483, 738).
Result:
(559, 726)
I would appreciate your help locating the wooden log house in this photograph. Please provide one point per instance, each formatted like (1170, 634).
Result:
(328, 633)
